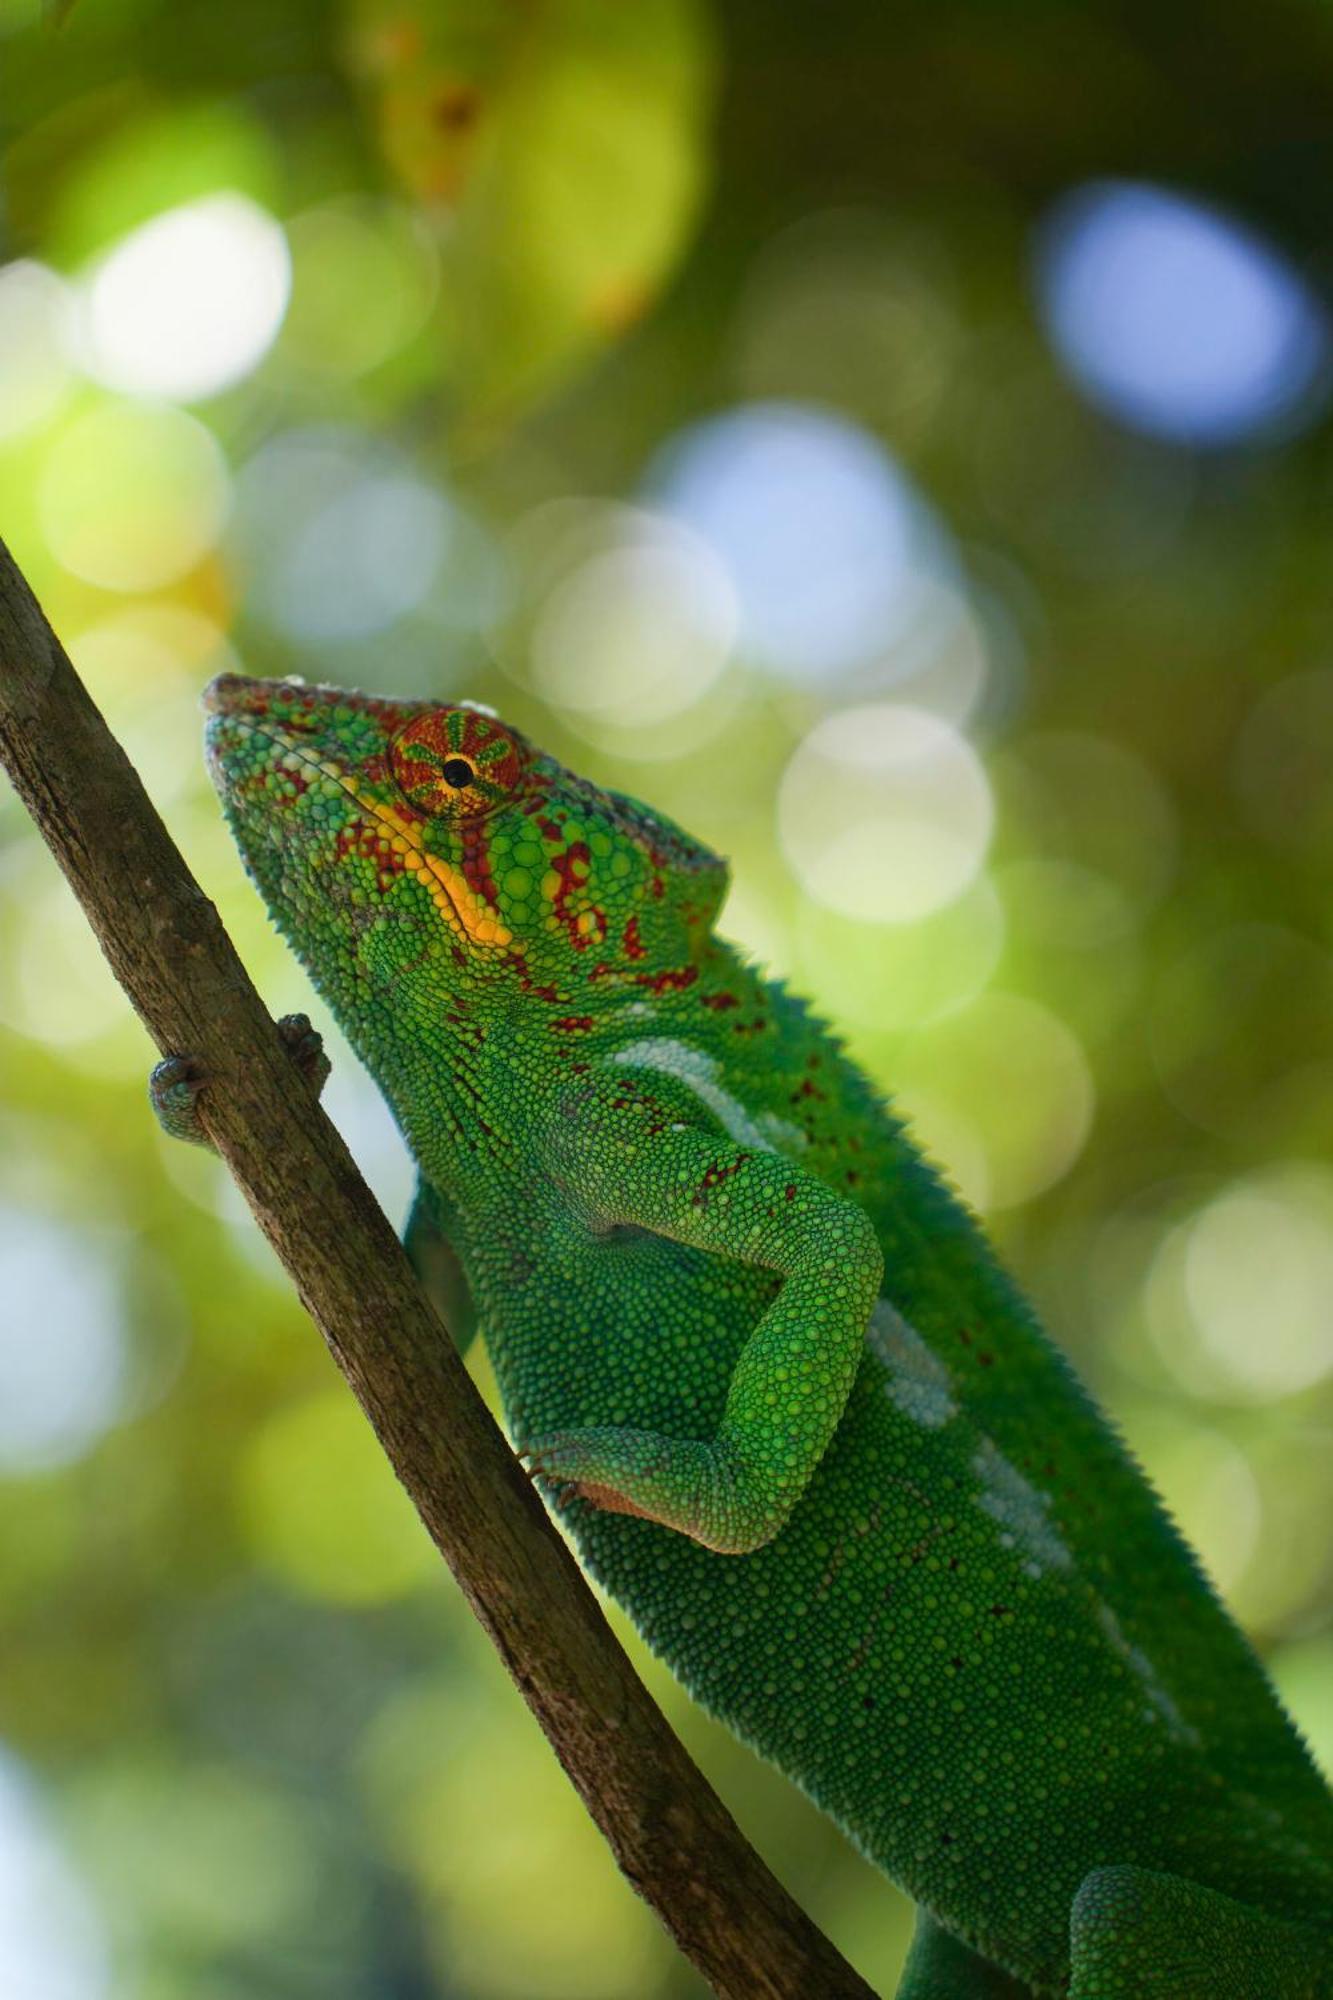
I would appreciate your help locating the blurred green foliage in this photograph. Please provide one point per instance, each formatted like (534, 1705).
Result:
(676, 379)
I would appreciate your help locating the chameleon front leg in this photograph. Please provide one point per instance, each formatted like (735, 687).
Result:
(1139, 1935)
(173, 1090)
(436, 1263)
(175, 1084)
(734, 1491)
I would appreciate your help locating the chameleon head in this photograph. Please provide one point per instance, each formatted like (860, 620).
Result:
(412, 840)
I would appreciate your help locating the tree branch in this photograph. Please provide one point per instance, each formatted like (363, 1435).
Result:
(668, 1830)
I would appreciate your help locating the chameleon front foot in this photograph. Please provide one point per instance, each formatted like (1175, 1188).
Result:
(702, 1490)
(176, 1082)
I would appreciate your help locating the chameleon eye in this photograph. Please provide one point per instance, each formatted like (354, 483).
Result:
(454, 761)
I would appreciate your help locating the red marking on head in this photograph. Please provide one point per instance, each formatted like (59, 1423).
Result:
(719, 1002)
(573, 1024)
(476, 863)
(296, 785)
(633, 943)
(677, 979)
(571, 867)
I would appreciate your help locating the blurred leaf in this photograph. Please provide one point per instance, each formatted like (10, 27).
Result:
(561, 148)
(99, 184)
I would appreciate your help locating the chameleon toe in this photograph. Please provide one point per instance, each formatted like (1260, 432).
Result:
(173, 1090)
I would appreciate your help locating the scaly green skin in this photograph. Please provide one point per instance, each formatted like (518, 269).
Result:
(800, 1423)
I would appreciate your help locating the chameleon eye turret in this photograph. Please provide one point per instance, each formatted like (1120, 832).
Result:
(459, 762)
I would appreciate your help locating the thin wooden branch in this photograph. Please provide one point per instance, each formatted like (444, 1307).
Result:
(668, 1830)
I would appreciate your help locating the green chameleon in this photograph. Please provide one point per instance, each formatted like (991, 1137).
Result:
(799, 1421)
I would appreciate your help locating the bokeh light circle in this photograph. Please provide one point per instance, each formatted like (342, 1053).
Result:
(52, 1940)
(820, 532)
(35, 375)
(339, 536)
(188, 303)
(1177, 318)
(63, 1362)
(882, 977)
(1208, 1485)
(885, 812)
(849, 309)
(364, 278)
(1237, 1296)
(133, 495)
(637, 632)
(1010, 1074)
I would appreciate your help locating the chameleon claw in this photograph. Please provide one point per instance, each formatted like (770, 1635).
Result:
(305, 1045)
(173, 1090)
(175, 1084)
(535, 1460)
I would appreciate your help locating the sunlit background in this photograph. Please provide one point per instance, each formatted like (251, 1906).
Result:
(893, 442)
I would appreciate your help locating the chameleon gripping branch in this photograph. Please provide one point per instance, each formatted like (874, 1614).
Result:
(668, 1830)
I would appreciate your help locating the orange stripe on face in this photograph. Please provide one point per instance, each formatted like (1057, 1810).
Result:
(467, 914)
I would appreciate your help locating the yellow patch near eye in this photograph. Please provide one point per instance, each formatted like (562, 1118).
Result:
(465, 912)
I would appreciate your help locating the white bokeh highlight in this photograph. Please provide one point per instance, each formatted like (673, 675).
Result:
(189, 303)
(52, 1941)
(63, 1362)
(35, 374)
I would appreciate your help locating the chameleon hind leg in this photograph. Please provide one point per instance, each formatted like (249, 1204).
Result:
(941, 1967)
(1137, 1935)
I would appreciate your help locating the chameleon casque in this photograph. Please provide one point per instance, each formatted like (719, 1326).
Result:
(761, 1357)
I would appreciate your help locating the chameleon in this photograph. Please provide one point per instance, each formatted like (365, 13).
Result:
(768, 1370)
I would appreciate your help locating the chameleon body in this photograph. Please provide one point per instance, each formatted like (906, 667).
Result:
(762, 1359)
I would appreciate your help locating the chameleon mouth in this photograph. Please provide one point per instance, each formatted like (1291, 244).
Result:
(234, 694)
(239, 708)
